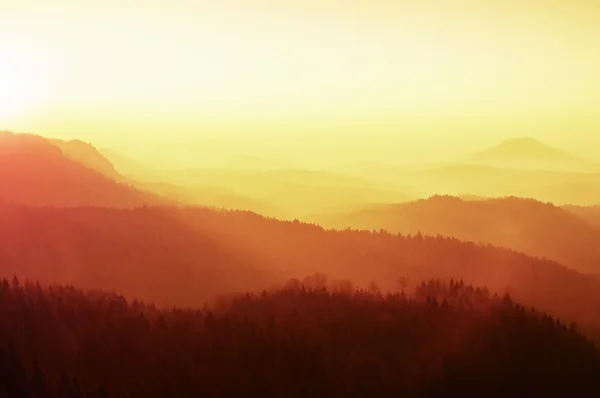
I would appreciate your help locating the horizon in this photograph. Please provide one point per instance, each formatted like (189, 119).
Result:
(290, 155)
(427, 79)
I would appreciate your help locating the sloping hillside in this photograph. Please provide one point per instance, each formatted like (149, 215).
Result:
(35, 171)
(529, 226)
(278, 192)
(296, 192)
(145, 253)
(179, 256)
(87, 154)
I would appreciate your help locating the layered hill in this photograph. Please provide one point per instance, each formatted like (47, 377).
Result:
(132, 168)
(297, 192)
(89, 156)
(538, 229)
(520, 167)
(283, 193)
(182, 256)
(36, 171)
(278, 192)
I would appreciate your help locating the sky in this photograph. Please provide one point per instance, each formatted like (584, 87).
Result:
(439, 75)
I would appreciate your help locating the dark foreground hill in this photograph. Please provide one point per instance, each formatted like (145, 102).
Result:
(302, 341)
(183, 256)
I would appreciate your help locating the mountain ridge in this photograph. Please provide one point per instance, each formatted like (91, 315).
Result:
(526, 225)
(36, 171)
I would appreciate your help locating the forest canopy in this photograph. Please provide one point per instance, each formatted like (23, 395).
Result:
(305, 339)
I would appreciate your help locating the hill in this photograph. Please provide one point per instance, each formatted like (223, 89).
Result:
(35, 171)
(183, 256)
(285, 193)
(447, 340)
(529, 153)
(87, 155)
(460, 178)
(145, 253)
(262, 185)
(299, 192)
(524, 225)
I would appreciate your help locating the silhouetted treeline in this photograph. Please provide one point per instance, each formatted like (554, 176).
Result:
(184, 256)
(304, 340)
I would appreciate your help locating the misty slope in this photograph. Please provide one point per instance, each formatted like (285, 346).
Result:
(589, 213)
(529, 153)
(213, 196)
(532, 227)
(299, 341)
(132, 168)
(260, 187)
(520, 167)
(146, 253)
(179, 256)
(459, 179)
(89, 156)
(194, 192)
(141, 176)
(36, 172)
(298, 192)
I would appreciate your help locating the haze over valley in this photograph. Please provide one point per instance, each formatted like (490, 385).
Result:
(299, 199)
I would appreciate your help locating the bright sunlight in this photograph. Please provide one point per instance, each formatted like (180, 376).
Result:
(17, 90)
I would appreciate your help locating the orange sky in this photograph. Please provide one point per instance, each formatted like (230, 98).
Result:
(454, 72)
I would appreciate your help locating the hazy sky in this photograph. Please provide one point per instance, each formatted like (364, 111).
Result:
(459, 73)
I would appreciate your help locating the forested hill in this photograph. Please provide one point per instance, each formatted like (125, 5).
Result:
(566, 235)
(300, 341)
(185, 256)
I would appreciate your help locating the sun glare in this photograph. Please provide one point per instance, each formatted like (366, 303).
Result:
(17, 92)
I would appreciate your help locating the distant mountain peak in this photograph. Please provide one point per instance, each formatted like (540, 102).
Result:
(528, 151)
(525, 144)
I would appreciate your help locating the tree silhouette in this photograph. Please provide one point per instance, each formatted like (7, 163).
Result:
(448, 339)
